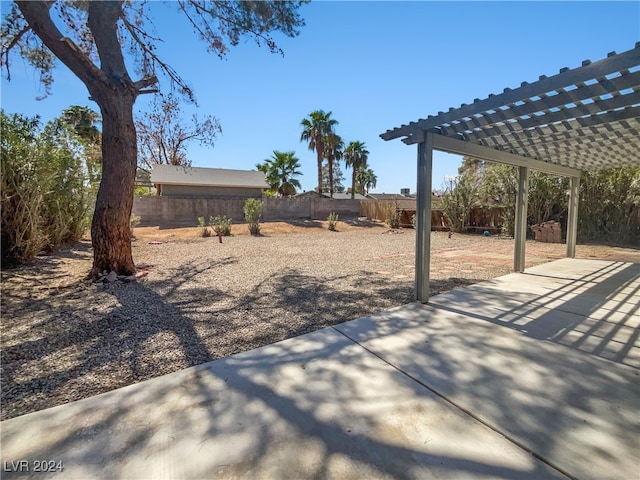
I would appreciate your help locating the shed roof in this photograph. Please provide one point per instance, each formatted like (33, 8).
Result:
(336, 195)
(210, 177)
(584, 118)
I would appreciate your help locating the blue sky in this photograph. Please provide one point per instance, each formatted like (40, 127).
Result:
(375, 65)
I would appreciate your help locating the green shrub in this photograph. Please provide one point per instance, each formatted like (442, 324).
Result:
(333, 221)
(43, 184)
(221, 224)
(134, 221)
(142, 191)
(392, 216)
(204, 230)
(252, 212)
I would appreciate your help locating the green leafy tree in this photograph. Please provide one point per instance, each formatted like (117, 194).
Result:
(500, 187)
(460, 195)
(609, 206)
(547, 199)
(281, 171)
(338, 178)
(315, 129)
(355, 157)
(88, 38)
(609, 199)
(43, 187)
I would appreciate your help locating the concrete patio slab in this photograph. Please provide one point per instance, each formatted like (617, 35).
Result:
(589, 305)
(316, 406)
(578, 411)
(443, 390)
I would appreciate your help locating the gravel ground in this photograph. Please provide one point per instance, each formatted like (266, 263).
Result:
(65, 338)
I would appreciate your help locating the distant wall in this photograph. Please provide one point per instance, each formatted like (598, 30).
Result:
(308, 207)
(154, 210)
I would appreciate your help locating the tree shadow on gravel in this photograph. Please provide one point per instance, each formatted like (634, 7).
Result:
(78, 349)
(89, 339)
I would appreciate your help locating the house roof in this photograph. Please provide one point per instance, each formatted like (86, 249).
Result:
(386, 196)
(346, 196)
(210, 177)
(336, 195)
(584, 118)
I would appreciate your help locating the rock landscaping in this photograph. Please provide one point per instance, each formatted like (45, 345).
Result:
(65, 337)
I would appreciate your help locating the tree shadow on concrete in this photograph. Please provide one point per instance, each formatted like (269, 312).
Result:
(314, 407)
(549, 399)
(596, 313)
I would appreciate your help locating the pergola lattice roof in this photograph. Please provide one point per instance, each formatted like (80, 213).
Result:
(584, 118)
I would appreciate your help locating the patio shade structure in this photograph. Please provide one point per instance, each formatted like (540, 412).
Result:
(581, 119)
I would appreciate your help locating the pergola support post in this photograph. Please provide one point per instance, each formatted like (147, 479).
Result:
(572, 221)
(520, 231)
(423, 218)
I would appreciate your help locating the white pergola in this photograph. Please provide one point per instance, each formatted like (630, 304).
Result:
(581, 119)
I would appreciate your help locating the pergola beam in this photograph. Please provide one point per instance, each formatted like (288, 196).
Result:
(572, 222)
(470, 149)
(423, 218)
(520, 230)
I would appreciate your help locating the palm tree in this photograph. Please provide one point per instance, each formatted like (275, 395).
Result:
(83, 120)
(315, 129)
(280, 170)
(355, 156)
(333, 152)
(367, 179)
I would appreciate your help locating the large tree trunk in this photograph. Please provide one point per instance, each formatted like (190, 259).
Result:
(110, 233)
(111, 87)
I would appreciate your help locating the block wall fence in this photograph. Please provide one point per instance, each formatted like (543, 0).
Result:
(154, 210)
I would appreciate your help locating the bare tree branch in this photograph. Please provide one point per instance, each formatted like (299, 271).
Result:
(136, 35)
(12, 44)
(37, 15)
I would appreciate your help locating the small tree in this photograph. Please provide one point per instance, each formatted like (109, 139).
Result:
(338, 178)
(459, 196)
(391, 215)
(252, 211)
(332, 222)
(221, 224)
(163, 134)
